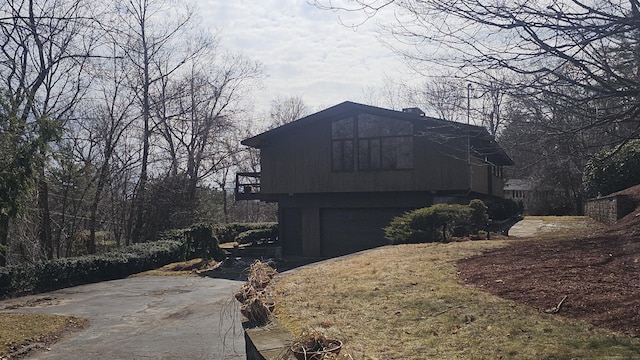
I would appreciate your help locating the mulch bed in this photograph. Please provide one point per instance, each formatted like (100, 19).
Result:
(598, 277)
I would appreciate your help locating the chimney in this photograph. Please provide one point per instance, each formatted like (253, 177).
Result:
(414, 110)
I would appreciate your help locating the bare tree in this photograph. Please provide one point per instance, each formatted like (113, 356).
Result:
(155, 43)
(287, 109)
(107, 119)
(45, 44)
(493, 94)
(206, 103)
(390, 94)
(443, 96)
(548, 46)
(552, 165)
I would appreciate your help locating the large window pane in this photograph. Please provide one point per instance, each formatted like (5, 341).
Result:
(342, 129)
(404, 153)
(348, 155)
(397, 153)
(375, 153)
(376, 126)
(342, 155)
(336, 152)
(382, 143)
(364, 155)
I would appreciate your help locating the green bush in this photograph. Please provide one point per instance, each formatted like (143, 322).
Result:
(429, 224)
(479, 217)
(256, 235)
(503, 209)
(612, 170)
(200, 242)
(65, 272)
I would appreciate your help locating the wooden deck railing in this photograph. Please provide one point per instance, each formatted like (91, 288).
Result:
(247, 186)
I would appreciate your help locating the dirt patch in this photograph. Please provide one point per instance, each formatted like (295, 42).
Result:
(598, 276)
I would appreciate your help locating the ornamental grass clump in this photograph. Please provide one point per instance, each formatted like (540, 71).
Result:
(257, 305)
(260, 275)
(256, 310)
(315, 346)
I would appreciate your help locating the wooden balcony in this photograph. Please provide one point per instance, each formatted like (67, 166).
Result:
(247, 186)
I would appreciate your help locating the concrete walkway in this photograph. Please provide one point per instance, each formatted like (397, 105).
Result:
(147, 317)
(526, 228)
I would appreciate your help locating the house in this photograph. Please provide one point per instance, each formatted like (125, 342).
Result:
(340, 175)
(517, 189)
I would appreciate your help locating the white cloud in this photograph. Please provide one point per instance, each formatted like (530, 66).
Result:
(305, 50)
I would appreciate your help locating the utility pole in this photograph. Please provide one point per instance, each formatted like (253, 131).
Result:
(469, 136)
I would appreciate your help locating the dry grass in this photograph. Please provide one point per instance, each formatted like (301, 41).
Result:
(229, 245)
(560, 227)
(405, 302)
(32, 330)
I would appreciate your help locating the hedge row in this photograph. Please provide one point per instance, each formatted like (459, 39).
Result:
(226, 233)
(200, 240)
(258, 235)
(211, 236)
(60, 273)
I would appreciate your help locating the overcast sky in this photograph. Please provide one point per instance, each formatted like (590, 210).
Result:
(306, 51)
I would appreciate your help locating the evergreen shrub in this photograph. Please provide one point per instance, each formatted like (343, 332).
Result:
(226, 233)
(256, 235)
(430, 224)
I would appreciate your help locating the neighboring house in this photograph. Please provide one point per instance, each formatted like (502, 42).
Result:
(541, 199)
(517, 189)
(340, 175)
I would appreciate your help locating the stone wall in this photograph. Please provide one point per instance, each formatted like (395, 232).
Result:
(609, 209)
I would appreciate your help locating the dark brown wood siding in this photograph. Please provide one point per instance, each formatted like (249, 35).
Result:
(291, 231)
(300, 162)
(347, 230)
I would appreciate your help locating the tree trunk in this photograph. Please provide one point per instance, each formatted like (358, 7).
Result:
(225, 205)
(58, 241)
(102, 179)
(137, 233)
(45, 218)
(91, 242)
(4, 238)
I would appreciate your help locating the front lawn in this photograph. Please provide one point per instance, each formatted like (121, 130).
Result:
(407, 302)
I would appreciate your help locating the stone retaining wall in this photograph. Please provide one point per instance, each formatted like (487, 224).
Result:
(609, 209)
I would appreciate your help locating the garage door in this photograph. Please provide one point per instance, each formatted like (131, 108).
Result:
(345, 231)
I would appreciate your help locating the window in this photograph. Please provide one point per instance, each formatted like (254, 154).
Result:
(342, 151)
(497, 171)
(376, 126)
(342, 129)
(382, 144)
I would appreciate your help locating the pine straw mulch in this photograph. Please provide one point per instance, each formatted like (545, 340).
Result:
(594, 278)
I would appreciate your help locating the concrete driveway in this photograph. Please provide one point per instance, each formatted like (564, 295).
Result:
(147, 317)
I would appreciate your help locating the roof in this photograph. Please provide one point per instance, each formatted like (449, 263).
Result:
(517, 184)
(483, 144)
